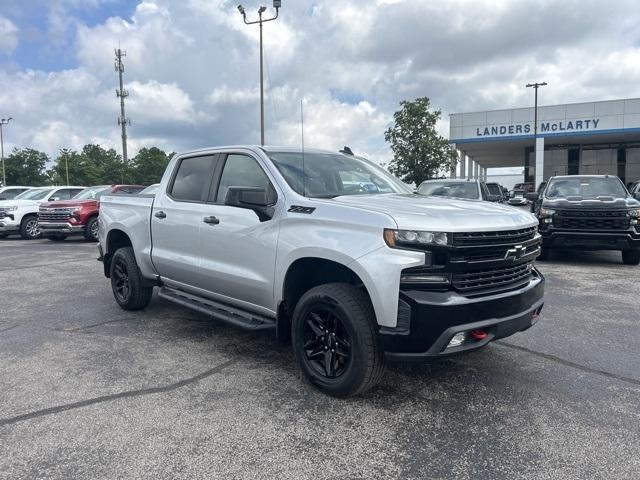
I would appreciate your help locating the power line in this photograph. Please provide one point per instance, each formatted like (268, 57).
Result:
(121, 93)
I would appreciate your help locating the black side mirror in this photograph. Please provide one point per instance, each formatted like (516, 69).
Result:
(257, 199)
(532, 196)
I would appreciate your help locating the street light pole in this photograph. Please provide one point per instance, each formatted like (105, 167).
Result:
(276, 4)
(535, 111)
(3, 122)
(539, 160)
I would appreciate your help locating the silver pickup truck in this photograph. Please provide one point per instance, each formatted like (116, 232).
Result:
(332, 252)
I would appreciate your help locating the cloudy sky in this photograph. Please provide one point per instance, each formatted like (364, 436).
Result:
(192, 66)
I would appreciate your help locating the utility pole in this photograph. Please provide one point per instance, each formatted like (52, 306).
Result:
(538, 146)
(3, 122)
(276, 4)
(123, 121)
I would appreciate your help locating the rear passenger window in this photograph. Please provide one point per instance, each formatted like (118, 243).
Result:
(191, 182)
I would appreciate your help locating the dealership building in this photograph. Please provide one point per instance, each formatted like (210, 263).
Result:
(594, 138)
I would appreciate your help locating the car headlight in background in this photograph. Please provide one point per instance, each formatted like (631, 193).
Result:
(399, 238)
(545, 214)
(9, 209)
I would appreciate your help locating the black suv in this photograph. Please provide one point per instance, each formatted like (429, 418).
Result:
(589, 212)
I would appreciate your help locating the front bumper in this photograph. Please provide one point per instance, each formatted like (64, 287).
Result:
(9, 224)
(48, 228)
(435, 317)
(628, 239)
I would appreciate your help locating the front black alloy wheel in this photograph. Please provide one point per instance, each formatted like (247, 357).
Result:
(335, 339)
(127, 282)
(327, 344)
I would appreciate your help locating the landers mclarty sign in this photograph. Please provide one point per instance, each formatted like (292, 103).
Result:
(544, 127)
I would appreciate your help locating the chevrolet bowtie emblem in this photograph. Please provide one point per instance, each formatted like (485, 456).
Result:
(514, 253)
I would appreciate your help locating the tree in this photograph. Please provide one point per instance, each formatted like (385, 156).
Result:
(149, 165)
(26, 167)
(82, 171)
(108, 164)
(419, 152)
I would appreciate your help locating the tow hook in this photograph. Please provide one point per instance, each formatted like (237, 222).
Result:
(478, 334)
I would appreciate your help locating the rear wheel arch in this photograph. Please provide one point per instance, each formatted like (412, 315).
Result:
(116, 239)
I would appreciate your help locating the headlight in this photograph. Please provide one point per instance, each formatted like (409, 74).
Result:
(399, 238)
(546, 213)
(9, 209)
(635, 216)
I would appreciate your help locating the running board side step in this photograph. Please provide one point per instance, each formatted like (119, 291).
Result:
(220, 311)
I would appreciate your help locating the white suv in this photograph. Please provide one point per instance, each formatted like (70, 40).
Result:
(20, 215)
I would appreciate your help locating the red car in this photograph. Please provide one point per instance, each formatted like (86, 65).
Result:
(78, 216)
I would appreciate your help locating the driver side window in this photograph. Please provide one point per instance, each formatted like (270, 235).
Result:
(240, 171)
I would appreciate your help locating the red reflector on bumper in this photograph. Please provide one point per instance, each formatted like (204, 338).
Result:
(478, 334)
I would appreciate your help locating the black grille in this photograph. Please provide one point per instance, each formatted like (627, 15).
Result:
(493, 238)
(591, 220)
(492, 278)
(3, 214)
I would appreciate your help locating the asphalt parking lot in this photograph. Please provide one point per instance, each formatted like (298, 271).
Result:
(90, 391)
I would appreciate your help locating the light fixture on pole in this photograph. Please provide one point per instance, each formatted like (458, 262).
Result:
(276, 4)
(3, 122)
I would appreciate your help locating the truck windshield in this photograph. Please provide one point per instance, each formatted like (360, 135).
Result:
(450, 189)
(92, 193)
(585, 187)
(332, 175)
(34, 194)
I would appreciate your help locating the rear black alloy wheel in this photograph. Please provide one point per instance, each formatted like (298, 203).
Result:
(127, 282)
(335, 339)
(122, 286)
(327, 344)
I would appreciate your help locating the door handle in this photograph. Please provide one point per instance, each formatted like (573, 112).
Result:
(211, 220)
(160, 214)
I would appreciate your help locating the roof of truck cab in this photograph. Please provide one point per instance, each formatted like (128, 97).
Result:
(265, 148)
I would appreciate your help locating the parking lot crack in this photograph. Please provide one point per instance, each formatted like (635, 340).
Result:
(116, 396)
(9, 328)
(568, 363)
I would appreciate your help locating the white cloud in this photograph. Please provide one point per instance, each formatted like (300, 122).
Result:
(8, 35)
(192, 69)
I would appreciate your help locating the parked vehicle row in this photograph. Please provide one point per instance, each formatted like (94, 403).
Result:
(470, 189)
(330, 251)
(54, 212)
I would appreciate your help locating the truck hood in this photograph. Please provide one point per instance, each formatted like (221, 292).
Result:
(417, 212)
(604, 203)
(69, 203)
(19, 203)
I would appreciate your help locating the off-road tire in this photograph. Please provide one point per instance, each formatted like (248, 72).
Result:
(352, 306)
(135, 296)
(27, 229)
(631, 257)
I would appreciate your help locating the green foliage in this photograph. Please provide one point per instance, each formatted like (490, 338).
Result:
(148, 165)
(26, 167)
(419, 152)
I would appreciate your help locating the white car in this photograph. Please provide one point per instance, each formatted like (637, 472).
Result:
(8, 193)
(20, 215)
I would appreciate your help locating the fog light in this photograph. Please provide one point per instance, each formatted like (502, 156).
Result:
(457, 340)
